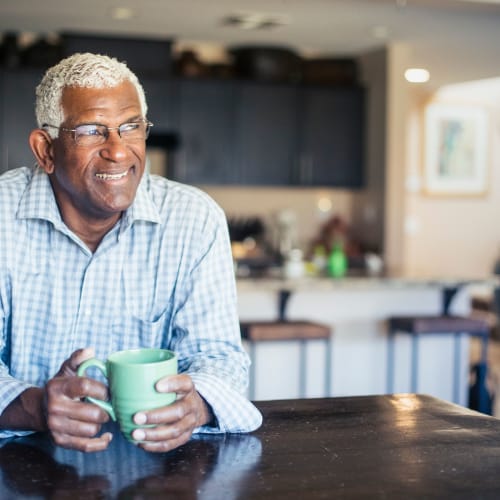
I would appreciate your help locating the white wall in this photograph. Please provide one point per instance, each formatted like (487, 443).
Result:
(267, 202)
(454, 235)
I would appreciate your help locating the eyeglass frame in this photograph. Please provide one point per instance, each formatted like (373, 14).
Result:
(107, 129)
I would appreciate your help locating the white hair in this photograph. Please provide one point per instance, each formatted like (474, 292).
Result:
(80, 70)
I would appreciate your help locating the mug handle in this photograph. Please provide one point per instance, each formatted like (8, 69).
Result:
(105, 405)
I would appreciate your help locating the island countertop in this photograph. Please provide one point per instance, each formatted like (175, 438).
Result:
(355, 282)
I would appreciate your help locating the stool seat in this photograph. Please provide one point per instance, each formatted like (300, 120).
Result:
(419, 325)
(439, 324)
(301, 331)
(284, 330)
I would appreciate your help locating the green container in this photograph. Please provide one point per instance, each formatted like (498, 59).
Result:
(337, 262)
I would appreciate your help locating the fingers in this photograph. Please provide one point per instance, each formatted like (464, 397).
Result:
(180, 384)
(164, 444)
(173, 424)
(74, 423)
(83, 444)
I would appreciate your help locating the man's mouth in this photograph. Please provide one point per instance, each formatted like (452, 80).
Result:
(111, 177)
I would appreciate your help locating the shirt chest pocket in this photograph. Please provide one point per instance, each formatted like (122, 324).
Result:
(143, 312)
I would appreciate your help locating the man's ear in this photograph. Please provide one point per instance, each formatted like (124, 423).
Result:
(41, 145)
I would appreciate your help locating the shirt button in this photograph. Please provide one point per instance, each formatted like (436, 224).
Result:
(87, 313)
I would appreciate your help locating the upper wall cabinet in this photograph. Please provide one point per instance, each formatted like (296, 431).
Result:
(206, 130)
(226, 132)
(266, 133)
(257, 134)
(17, 116)
(332, 131)
(161, 99)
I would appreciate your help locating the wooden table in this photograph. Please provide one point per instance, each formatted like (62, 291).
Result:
(401, 446)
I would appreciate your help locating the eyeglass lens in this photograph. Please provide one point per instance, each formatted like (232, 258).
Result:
(93, 134)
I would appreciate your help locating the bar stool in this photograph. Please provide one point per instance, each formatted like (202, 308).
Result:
(282, 330)
(416, 326)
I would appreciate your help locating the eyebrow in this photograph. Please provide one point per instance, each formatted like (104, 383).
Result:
(128, 120)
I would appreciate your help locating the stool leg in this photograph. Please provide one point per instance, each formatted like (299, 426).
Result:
(414, 363)
(302, 369)
(484, 403)
(457, 349)
(328, 367)
(252, 374)
(390, 363)
(484, 348)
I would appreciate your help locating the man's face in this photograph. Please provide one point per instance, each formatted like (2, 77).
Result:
(97, 182)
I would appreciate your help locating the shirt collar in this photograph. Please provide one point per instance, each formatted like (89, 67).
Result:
(38, 202)
(143, 207)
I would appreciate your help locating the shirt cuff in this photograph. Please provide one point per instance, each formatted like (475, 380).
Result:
(234, 413)
(11, 388)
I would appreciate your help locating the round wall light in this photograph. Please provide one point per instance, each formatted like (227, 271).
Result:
(417, 75)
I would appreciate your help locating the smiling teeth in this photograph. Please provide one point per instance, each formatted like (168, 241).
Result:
(111, 176)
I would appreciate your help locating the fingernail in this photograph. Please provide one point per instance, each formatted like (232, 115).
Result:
(139, 435)
(140, 418)
(162, 386)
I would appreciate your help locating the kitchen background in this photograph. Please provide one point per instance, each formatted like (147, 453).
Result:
(388, 211)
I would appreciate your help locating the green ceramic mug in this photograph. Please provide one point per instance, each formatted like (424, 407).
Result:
(132, 375)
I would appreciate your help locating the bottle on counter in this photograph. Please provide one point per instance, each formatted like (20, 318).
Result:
(319, 260)
(294, 264)
(337, 261)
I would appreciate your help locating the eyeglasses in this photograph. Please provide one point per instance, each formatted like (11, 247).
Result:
(93, 134)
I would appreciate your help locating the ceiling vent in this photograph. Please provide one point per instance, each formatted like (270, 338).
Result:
(256, 21)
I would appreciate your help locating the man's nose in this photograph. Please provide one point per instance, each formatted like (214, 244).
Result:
(114, 148)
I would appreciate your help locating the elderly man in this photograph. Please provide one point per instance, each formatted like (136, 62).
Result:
(98, 256)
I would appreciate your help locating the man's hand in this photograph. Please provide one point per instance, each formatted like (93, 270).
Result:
(72, 422)
(174, 423)
(58, 408)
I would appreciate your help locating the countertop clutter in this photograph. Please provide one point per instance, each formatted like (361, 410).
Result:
(270, 249)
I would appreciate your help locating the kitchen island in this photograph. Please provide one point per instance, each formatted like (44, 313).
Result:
(357, 309)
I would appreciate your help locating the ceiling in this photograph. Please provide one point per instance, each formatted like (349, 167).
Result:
(457, 40)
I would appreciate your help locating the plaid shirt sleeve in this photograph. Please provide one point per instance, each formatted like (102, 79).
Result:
(209, 345)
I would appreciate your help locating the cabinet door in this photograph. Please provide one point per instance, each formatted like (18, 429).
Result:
(332, 137)
(266, 134)
(205, 126)
(17, 117)
(161, 99)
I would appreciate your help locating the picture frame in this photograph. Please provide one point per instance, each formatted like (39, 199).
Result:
(455, 150)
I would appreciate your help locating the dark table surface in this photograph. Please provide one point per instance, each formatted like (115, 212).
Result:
(401, 446)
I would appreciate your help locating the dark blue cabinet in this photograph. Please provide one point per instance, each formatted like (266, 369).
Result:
(332, 137)
(228, 132)
(17, 116)
(205, 126)
(266, 134)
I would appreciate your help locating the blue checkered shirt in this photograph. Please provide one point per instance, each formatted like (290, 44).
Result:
(162, 277)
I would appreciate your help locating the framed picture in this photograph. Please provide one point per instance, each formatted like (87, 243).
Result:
(456, 150)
